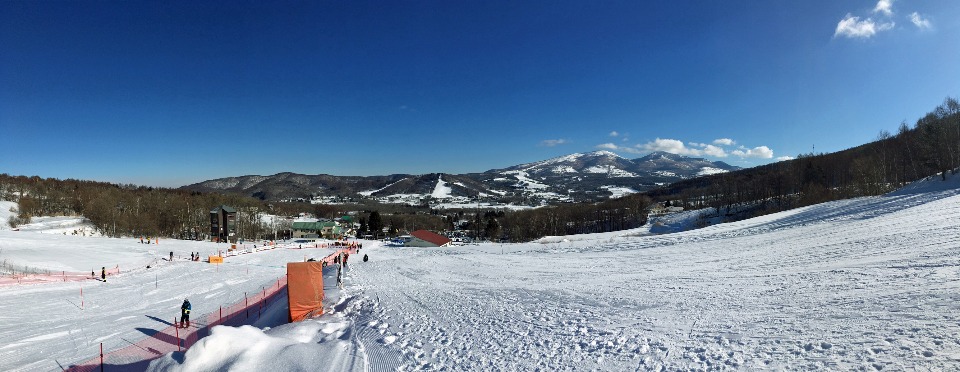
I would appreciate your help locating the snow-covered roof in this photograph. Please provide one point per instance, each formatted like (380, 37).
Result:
(431, 237)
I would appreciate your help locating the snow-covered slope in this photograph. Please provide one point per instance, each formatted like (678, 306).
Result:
(7, 211)
(867, 283)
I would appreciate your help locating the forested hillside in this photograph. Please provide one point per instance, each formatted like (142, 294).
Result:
(930, 146)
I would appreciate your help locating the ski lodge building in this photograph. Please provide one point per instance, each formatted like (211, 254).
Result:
(318, 229)
(424, 238)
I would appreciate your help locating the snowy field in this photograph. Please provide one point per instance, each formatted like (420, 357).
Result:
(863, 284)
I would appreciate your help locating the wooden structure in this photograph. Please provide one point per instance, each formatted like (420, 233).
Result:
(223, 224)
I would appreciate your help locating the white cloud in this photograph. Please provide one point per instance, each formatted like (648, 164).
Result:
(614, 134)
(553, 142)
(695, 149)
(724, 142)
(715, 151)
(785, 158)
(762, 152)
(677, 147)
(885, 7)
(919, 21)
(853, 27)
(668, 145)
(608, 146)
(614, 147)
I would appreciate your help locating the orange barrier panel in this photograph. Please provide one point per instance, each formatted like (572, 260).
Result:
(216, 259)
(304, 289)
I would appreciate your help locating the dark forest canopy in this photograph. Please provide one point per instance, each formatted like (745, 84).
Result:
(930, 146)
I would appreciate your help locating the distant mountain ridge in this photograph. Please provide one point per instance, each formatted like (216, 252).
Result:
(591, 176)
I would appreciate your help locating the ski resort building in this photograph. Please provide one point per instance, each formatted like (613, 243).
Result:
(424, 238)
(318, 229)
(223, 224)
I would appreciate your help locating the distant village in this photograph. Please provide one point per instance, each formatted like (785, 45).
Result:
(308, 229)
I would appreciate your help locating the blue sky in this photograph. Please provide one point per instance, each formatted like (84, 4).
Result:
(170, 93)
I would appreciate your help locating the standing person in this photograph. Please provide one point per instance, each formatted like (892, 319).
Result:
(103, 273)
(340, 272)
(346, 256)
(185, 314)
(171, 255)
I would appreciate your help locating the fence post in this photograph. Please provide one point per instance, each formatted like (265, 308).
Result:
(221, 314)
(101, 357)
(178, 332)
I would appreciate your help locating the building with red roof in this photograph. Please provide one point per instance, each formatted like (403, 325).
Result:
(424, 238)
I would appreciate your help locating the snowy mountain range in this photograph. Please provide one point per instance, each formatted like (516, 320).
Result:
(576, 177)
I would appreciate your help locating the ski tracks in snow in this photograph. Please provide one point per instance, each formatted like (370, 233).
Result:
(869, 283)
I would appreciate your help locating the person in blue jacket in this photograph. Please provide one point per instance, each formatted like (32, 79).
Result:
(185, 314)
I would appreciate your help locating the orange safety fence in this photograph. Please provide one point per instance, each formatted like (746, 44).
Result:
(333, 244)
(172, 339)
(52, 276)
(329, 260)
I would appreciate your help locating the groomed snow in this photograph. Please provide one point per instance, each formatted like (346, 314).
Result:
(618, 191)
(710, 170)
(442, 191)
(868, 283)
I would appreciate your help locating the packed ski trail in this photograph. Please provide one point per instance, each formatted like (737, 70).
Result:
(862, 284)
(865, 283)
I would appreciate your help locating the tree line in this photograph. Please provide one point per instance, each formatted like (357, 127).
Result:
(930, 146)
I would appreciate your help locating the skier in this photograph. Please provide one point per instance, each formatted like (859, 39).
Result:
(185, 314)
(171, 255)
(346, 256)
(103, 273)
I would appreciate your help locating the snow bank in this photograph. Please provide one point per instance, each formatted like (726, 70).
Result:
(935, 183)
(305, 346)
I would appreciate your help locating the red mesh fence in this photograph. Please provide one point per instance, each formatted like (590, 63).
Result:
(172, 338)
(64, 276)
(52, 276)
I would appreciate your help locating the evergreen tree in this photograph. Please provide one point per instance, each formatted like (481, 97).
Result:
(492, 230)
(375, 224)
(363, 227)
